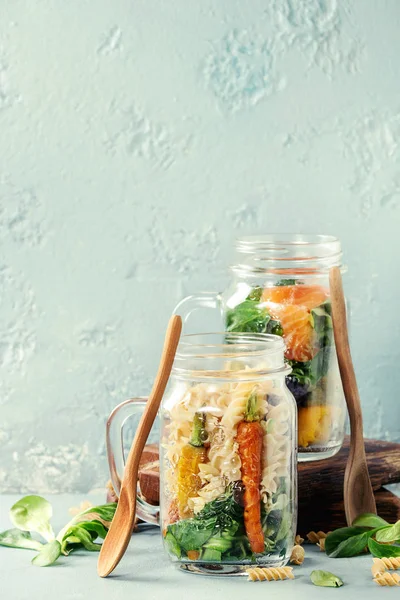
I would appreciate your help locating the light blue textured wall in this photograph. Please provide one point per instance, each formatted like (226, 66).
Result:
(137, 140)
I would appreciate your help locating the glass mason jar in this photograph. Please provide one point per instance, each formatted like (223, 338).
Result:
(280, 285)
(228, 462)
(228, 455)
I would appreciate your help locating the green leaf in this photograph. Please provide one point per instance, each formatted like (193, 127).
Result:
(211, 554)
(173, 545)
(48, 554)
(15, 538)
(104, 512)
(389, 534)
(369, 520)
(325, 579)
(33, 513)
(95, 527)
(347, 541)
(383, 550)
(192, 534)
(247, 317)
(83, 536)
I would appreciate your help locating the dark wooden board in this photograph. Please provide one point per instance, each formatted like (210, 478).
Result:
(321, 486)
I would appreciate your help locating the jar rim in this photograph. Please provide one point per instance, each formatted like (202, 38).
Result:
(251, 243)
(284, 253)
(219, 354)
(261, 343)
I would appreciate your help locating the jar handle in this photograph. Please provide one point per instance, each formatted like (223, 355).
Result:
(116, 458)
(186, 307)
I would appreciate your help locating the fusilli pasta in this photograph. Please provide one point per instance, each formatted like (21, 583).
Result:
(270, 574)
(381, 564)
(297, 556)
(298, 539)
(315, 538)
(387, 578)
(276, 455)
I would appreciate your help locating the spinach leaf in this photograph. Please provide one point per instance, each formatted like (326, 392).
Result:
(325, 579)
(192, 534)
(389, 534)
(247, 317)
(383, 550)
(33, 513)
(369, 520)
(48, 554)
(347, 541)
(216, 527)
(15, 538)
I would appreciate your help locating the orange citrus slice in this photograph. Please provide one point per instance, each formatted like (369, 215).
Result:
(298, 332)
(308, 296)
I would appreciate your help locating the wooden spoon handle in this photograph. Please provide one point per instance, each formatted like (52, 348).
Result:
(153, 403)
(119, 534)
(343, 353)
(358, 493)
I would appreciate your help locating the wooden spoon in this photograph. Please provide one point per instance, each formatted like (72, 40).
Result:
(358, 494)
(119, 534)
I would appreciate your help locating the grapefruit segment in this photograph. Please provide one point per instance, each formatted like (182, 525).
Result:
(309, 296)
(298, 332)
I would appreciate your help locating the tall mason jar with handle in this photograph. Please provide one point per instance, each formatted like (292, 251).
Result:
(280, 286)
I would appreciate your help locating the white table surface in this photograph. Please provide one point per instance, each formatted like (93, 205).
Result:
(146, 573)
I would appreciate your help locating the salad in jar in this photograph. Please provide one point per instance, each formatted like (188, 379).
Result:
(301, 314)
(229, 473)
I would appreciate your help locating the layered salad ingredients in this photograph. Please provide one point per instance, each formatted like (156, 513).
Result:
(228, 473)
(302, 315)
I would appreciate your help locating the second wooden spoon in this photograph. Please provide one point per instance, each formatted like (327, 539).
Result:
(358, 493)
(119, 534)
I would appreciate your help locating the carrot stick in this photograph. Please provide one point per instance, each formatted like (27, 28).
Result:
(193, 454)
(250, 440)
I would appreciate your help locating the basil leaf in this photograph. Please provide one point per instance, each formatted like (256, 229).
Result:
(389, 534)
(346, 542)
(15, 538)
(33, 513)
(383, 550)
(48, 554)
(369, 520)
(325, 579)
